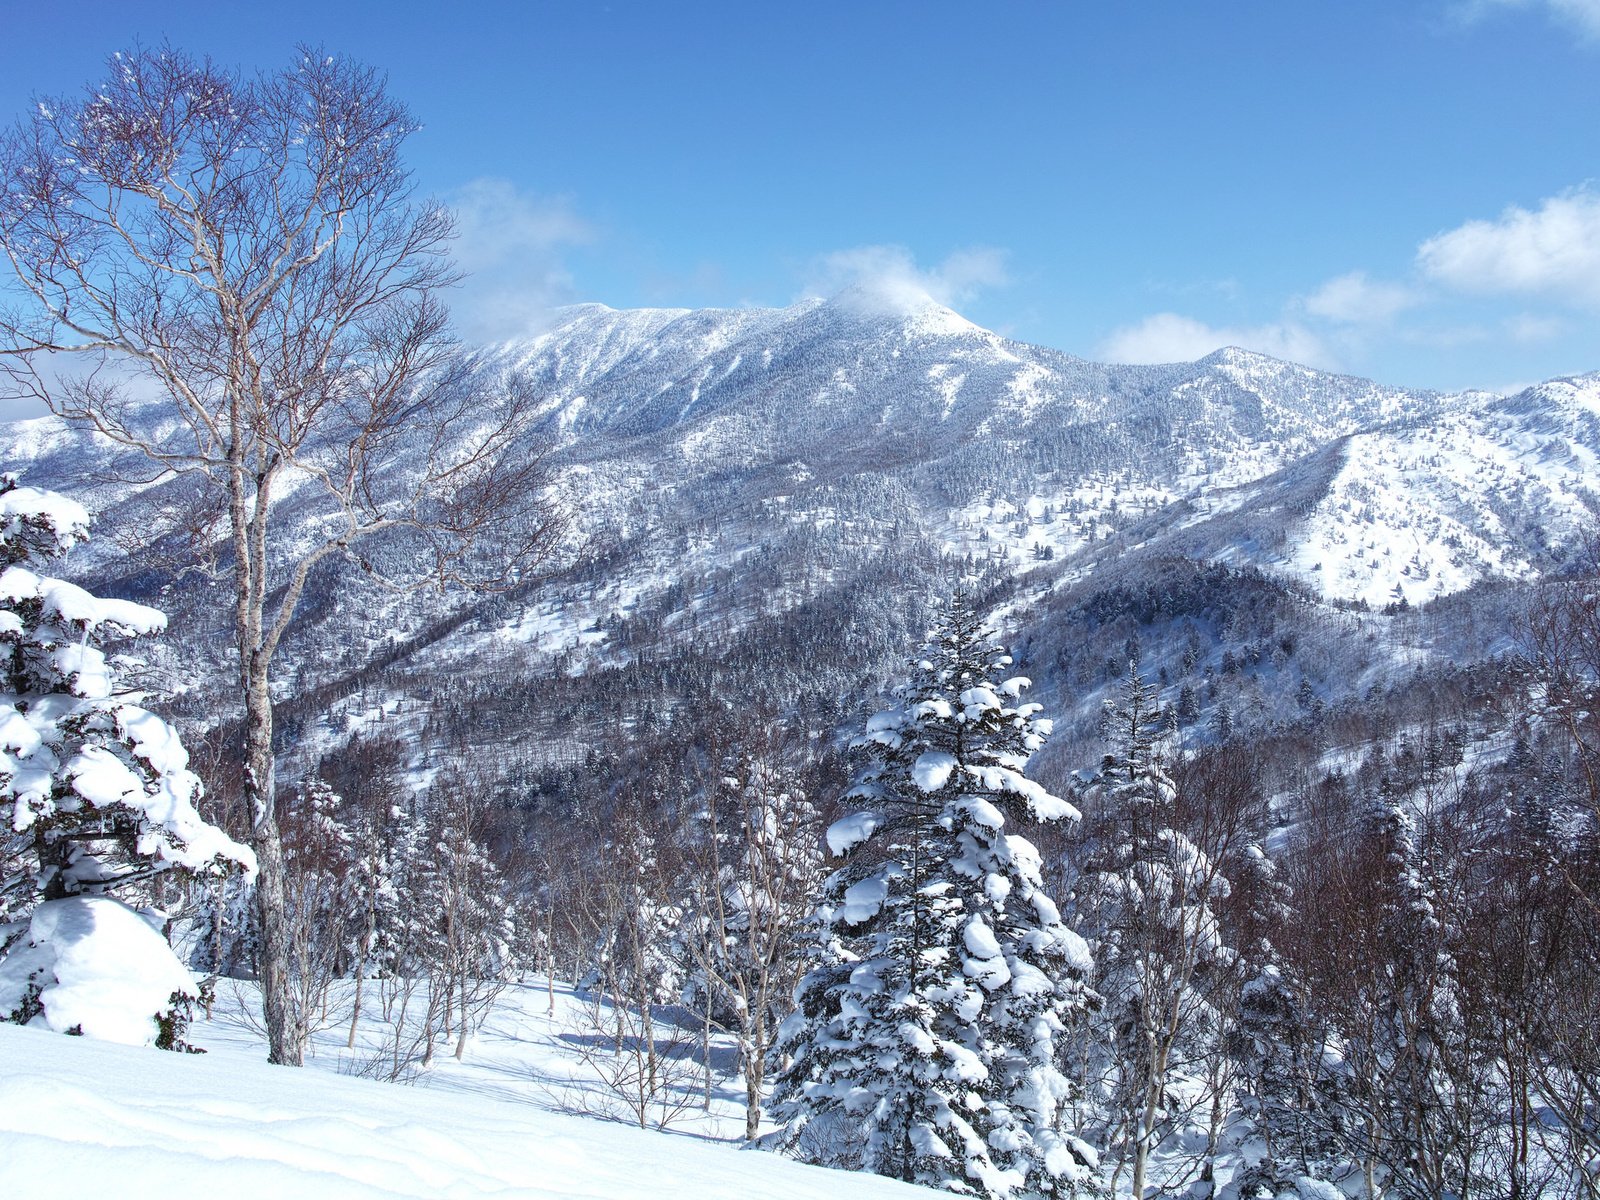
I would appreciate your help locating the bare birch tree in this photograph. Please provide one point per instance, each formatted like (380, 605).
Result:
(752, 881)
(249, 250)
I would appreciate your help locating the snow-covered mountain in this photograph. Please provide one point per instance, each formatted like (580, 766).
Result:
(824, 380)
(742, 481)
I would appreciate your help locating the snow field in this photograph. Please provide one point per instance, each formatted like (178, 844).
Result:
(145, 1123)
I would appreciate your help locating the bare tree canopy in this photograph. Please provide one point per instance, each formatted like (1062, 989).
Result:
(243, 271)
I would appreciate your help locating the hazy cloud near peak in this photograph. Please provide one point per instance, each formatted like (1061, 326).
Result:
(1553, 251)
(1171, 337)
(888, 276)
(510, 244)
(496, 221)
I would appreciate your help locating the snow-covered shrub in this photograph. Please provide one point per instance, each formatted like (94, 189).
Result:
(91, 965)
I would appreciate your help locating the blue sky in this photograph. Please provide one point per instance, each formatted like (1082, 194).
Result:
(1405, 190)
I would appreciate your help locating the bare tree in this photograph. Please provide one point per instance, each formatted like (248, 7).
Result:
(622, 903)
(1562, 644)
(368, 776)
(1152, 879)
(318, 870)
(752, 880)
(471, 950)
(249, 250)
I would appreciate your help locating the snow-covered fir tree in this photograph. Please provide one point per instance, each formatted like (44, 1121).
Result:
(924, 1043)
(96, 796)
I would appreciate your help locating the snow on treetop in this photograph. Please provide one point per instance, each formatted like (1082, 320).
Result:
(1044, 805)
(976, 701)
(152, 739)
(863, 900)
(889, 718)
(982, 812)
(65, 517)
(849, 832)
(77, 607)
(932, 769)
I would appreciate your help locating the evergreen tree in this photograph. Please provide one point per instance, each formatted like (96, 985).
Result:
(924, 1044)
(96, 795)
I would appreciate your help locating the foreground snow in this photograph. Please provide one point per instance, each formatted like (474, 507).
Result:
(144, 1123)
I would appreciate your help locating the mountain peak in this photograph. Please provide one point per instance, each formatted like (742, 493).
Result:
(1238, 356)
(901, 300)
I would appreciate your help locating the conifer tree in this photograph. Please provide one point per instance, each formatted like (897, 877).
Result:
(96, 795)
(96, 800)
(924, 1044)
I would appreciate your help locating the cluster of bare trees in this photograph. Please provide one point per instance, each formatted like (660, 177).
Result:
(1167, 880)
(1387, 977)
(402, 917)
(1439, 950)
(677, 905)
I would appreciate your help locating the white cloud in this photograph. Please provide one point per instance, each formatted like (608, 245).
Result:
(510, 244)
(1584, 14)
(1531, 328)
(1511, 282)
(1581, 15)
(889, 278)
(1353, 299)
(1554, 251)
(1170, 337)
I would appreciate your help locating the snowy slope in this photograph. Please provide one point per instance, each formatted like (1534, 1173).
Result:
(848, 365)
(81, 1115)
(1420, 512)
(726, 468)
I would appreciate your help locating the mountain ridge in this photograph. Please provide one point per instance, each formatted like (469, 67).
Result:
(731, 470)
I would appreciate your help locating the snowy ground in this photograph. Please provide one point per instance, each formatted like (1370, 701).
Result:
(81, 1115)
